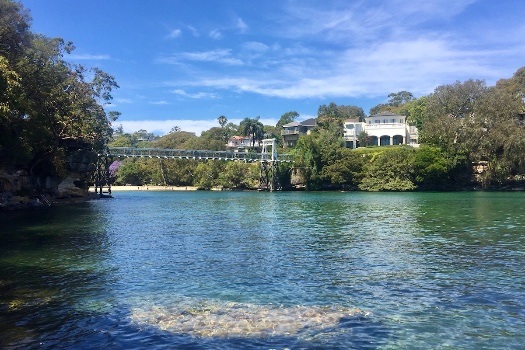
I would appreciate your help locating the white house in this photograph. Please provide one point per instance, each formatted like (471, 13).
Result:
(381, 129)
(239, 143)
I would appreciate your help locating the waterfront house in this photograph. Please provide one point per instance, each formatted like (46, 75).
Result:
(239, 143)
(383, 129)
(293, 130)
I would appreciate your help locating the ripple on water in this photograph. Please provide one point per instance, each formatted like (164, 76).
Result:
(212, 318)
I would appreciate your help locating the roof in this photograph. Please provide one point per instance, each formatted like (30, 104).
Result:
(352, 120)
(239, 137)
(386, 114)
(291, 125)
(309, 122)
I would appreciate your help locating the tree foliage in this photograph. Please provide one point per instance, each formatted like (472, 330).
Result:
(253, 128)
(396, 103)
(333, 115)
(471, 122)
(390, 170)
(47, 103)
(286, 118)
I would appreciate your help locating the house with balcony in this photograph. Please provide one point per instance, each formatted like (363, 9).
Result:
(239, 143)
(383, 129)
(293, 130)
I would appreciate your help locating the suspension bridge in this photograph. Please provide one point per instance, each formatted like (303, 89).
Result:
(268, 158)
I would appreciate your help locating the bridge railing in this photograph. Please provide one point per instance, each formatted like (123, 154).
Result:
(193, 154)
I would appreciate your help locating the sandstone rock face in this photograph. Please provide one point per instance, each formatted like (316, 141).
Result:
(69, 187)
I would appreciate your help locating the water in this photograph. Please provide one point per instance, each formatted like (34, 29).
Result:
(243, 270)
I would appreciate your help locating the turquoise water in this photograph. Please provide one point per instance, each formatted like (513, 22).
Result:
(244, 270)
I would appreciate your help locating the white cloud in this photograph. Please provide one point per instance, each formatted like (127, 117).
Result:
(161, 127)
(216, 34)
(175, 34)
(123, 100)
(159, 103)
(88, 57)
(242, 26)
(255, 46)
(197, 95)
(219, 56)
(193, 31)
(416, 65)
(378, 50)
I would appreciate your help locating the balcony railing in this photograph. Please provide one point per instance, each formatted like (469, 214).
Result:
(385, 126)
(290, 132)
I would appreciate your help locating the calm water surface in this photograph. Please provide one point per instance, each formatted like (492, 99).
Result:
(239, 270)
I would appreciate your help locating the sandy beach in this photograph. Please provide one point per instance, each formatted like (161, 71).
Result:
(149, 188)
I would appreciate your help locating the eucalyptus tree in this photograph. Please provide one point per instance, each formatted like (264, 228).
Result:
(400, 98)
(472, 122)
(395, 104)
(286, 118)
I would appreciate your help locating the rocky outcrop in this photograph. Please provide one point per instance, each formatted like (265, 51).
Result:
(19, 190)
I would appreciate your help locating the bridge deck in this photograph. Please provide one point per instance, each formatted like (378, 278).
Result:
(194, 154)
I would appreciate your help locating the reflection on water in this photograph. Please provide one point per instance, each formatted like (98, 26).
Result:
(207, 318)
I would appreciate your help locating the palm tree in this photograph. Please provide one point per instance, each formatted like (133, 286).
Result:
(253, 128)
(222, 121)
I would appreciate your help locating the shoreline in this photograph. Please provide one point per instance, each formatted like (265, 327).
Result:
(148, 188)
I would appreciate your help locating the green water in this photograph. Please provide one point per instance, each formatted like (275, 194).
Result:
(243, 270)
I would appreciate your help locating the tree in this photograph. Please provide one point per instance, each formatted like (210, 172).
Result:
(206, 174)
(395, 104)
(400, 98)
(456, 100)
(272, 132)
(334, 114)
(390, 170)
(314, 152)
(235, 175)
(175, 129)
(416, 111)
(286, 118)
(212, 139)
(363, 138)
(222, 121)
(254, 128)
(175, 140)
(55, 106)
(450, 118)
(432, 169)
(15, 35)
(346, 171)
(515, 86)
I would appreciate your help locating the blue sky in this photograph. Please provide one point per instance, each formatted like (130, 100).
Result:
(184, 63)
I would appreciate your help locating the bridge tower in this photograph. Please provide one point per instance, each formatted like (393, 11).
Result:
(102, 176)
(268, 180)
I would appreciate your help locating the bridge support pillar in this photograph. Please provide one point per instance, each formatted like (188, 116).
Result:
(268, 179)
(102, 176)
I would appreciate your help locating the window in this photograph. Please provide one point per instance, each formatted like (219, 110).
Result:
(349, 126)
(377, 121)
(392, 121)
